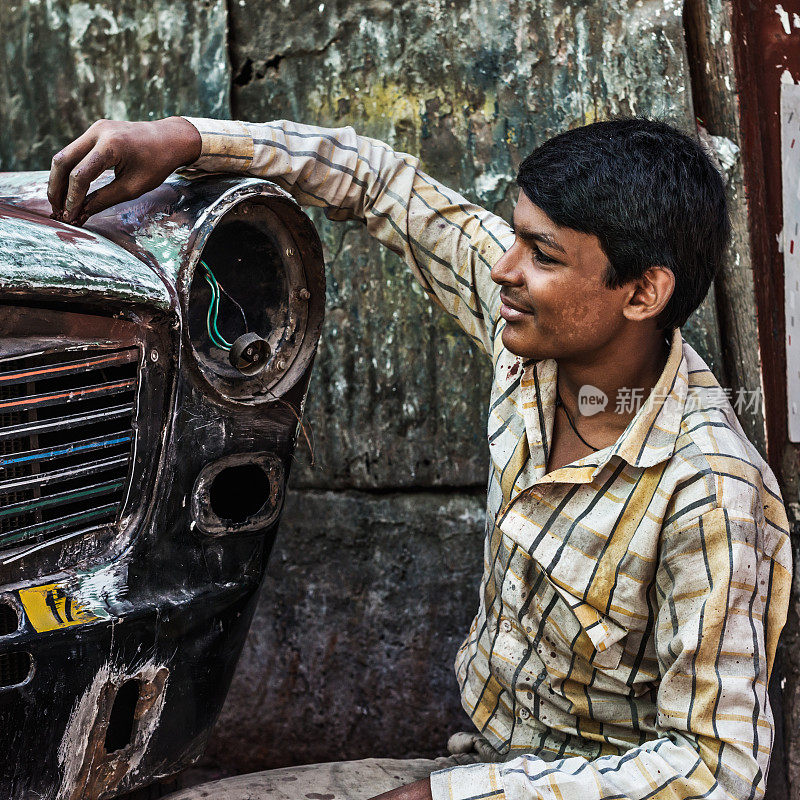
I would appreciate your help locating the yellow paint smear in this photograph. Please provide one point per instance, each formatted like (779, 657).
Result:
(49, 608)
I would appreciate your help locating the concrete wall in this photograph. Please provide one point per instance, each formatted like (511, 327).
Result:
(64, 64)
(392, 508)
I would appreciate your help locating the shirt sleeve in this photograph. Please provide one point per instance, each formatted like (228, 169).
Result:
(449, 243)
(722, 587)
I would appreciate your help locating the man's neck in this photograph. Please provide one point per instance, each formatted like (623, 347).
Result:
(625, 370)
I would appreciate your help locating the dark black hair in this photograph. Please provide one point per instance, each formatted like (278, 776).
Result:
(650, 194)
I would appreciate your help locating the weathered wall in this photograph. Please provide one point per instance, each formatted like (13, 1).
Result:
(374, 576)
(364, 605)
(64, 64)
(471, 87)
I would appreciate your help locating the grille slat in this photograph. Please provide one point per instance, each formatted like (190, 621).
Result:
(70, 449)
(62, 398)
(78, 521)
(60, 475)
(62, 498)
(58, 412)
(62, 423)
(67, 368)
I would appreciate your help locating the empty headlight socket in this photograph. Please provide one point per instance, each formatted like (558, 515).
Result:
(254, 294)
(238, 493)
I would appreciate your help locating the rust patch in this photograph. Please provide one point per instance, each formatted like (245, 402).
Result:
(90, 772)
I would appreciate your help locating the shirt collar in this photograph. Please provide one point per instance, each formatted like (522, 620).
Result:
(649, 438)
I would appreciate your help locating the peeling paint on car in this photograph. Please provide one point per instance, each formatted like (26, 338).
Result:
(89, 770)
(39, 253)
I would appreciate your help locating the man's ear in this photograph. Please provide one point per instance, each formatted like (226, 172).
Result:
(650, 295)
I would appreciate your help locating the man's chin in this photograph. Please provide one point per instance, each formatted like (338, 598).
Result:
(516, 342)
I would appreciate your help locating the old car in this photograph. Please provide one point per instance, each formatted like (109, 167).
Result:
(153, 371)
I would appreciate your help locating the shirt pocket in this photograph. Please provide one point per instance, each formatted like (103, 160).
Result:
(580, 627)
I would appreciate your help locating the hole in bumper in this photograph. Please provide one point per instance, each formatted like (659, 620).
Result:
(238, 493)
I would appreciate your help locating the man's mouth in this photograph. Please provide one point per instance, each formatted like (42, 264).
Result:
(511, 311)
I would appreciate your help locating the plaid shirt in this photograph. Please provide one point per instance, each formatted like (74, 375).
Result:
(631, 601)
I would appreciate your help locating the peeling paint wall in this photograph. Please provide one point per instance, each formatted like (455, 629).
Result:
(383, 533)
(64, 64)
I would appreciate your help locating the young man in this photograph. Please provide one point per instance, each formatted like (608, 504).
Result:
(637, 563)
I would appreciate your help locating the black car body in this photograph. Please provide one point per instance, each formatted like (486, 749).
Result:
(142, 475)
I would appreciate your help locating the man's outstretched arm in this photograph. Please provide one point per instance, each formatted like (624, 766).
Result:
(449, 243)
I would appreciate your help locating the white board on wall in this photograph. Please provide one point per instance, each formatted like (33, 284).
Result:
(790, 166)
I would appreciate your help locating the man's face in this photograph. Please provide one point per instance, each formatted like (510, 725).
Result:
(555, 302)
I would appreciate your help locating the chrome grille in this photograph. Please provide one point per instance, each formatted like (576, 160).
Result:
(66, 441)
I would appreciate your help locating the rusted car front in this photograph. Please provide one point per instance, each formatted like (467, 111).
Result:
(142, 467)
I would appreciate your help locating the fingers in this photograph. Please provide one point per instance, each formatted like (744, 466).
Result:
(81, 177)
(142, 153)
(76, 166)
(106, 196)
(62, 165)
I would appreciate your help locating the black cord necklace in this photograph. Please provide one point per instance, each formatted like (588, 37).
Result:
(560, 402)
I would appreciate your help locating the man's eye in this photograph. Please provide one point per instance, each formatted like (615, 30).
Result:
(539, 256)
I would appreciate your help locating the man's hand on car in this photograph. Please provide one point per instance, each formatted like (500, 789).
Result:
(142, 155)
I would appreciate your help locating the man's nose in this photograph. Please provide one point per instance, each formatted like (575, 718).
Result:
(505, 270)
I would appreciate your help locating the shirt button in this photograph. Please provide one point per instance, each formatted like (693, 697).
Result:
(505, 625)
(524, 713)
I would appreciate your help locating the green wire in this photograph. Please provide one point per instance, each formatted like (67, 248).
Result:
(209, 322)
(216, 337)
(211, 336)
(216, 315)
(215, 289)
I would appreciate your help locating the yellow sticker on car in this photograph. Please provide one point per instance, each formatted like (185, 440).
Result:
(49, 607)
